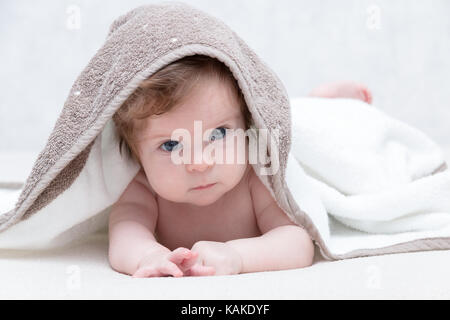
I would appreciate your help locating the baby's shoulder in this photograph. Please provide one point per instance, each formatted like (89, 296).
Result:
(256, 187)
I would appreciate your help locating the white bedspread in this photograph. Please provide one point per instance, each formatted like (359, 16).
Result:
(82, 272)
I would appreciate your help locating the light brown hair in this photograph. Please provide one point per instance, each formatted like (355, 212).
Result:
(165, 89)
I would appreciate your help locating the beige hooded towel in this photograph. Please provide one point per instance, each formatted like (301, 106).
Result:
(360, 182)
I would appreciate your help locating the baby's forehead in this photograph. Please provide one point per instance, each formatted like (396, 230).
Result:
(207, 112)
(210, 104)
(187, 118)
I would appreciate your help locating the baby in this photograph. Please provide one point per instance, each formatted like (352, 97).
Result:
(199, 218)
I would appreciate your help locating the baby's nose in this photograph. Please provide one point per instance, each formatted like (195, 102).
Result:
(199, 161)
(200, 167)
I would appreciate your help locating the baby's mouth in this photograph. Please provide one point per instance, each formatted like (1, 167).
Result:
(204, 187)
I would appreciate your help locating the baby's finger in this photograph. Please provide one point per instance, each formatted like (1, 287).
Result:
(199, 270)
(178, 255)
(172, 269)
(186, 264)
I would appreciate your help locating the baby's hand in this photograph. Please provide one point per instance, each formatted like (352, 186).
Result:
(219, 256)
(174, 263)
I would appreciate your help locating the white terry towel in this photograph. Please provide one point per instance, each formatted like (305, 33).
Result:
(372, 173)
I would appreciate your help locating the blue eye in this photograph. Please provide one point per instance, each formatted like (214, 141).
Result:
(170, 145)
(221, 132)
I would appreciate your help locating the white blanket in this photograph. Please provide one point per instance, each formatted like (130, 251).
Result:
(371, 172)
(364, 179)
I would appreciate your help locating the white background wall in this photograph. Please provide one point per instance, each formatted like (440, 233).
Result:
(399, 48)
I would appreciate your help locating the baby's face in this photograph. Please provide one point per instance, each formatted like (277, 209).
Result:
(214, 106)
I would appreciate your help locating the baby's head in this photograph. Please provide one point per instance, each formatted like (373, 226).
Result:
(194, 88)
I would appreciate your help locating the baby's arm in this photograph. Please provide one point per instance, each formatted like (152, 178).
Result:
(131, 227)
(283, 245)
(281, 248)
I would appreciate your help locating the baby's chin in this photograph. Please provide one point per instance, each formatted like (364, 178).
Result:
(205, 197)
(202, 203)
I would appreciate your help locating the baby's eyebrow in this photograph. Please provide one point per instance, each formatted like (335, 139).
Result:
(233, 116)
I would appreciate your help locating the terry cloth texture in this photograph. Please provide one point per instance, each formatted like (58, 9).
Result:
(341, 171)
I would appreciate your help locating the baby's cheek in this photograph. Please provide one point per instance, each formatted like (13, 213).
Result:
(231, 174)
(167, 180)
